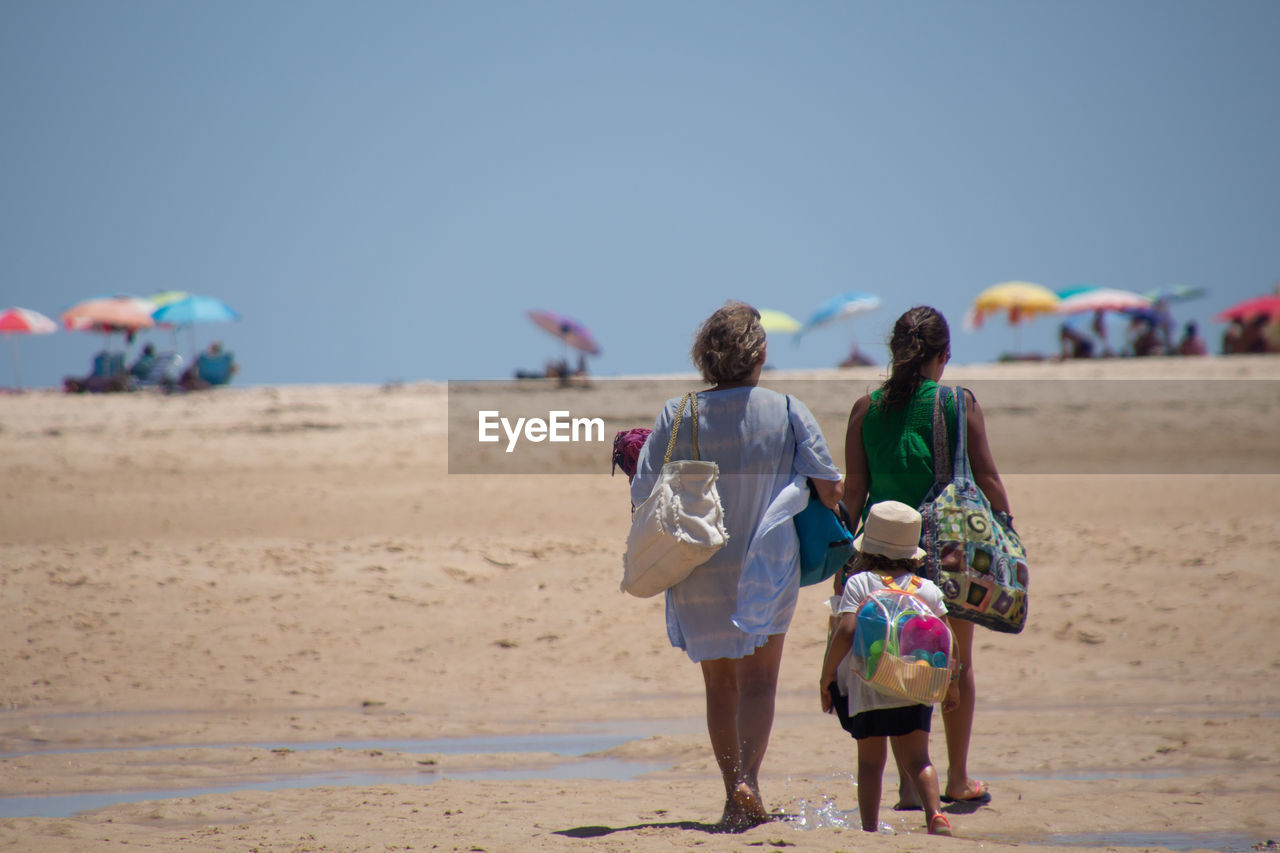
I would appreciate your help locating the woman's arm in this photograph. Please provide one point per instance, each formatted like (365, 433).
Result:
(829, 491)
(980, 458)
(857, 478)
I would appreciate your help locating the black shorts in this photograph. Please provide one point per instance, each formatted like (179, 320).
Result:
(883, 722)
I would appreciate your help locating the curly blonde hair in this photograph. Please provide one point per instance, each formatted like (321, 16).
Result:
(729, 344)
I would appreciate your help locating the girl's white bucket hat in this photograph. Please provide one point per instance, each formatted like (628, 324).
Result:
(892, 530)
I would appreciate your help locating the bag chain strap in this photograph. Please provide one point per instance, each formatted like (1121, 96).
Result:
(675, 427)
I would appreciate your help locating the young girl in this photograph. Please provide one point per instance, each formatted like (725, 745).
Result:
(888, 552)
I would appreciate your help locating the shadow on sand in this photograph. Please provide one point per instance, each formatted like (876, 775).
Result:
(696, 826)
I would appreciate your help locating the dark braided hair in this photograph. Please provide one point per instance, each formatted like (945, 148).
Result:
(919, 336)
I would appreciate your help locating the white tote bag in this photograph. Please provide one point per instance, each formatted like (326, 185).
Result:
(680, 525)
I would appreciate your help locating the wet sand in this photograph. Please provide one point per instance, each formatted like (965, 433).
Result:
(230, 591)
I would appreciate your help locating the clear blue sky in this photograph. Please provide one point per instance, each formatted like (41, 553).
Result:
(382, 189)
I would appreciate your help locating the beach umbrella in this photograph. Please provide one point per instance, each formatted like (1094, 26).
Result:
(192, 309)
(110, 314)
(778, 321)
(187, 309)
(1077, 288)
(567, 329)
(1101, 299)
(1175, 293)
(1019, 300)
(841, 307)
(838, 308)
(165, 297)
(23, 321)
(1267, 305)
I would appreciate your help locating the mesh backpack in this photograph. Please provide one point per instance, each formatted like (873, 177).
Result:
(900, 647)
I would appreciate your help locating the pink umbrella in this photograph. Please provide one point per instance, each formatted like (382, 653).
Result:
(1268, 305)
(566, 329)
(110, 314)
(23, 321)
(1102, 299)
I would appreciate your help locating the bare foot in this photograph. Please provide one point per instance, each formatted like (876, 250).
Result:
(750, 804)
(732, 818)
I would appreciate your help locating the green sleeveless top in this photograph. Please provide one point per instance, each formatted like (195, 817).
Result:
(899, 447)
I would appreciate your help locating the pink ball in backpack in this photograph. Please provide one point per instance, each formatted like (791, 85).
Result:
(924, 633)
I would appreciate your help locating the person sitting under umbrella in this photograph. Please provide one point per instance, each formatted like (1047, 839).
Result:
(1192, 343)
(108, 374)
(141, 368)
(1074, 344)
(214, 366)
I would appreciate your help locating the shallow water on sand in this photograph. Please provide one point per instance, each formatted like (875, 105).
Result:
(1226, 842)
(571, 745)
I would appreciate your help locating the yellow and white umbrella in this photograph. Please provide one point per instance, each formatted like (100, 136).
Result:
(1019, 300)
(778, 321)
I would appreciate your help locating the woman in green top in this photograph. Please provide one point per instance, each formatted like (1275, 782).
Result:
(888, 456)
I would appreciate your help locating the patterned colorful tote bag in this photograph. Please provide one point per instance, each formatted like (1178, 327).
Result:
(973, 555)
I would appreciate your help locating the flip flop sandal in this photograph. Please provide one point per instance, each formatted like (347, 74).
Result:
(979, 799)
(939, 825)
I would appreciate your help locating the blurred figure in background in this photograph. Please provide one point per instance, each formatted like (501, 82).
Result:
(1233, 337)
(1192, 343)
(1099, 327)
(1074, 344)
(141, 368)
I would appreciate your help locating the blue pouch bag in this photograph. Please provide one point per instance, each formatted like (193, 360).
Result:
(825, 541)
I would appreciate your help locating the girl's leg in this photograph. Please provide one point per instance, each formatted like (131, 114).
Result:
(912, 754)
(959, 720)
(872, 752)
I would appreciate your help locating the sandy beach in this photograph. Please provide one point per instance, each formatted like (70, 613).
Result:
(327, 619)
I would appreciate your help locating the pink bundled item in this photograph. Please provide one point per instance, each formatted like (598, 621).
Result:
(626, 450)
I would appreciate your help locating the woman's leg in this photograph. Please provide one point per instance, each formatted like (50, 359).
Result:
(908, 796)
(721, 679)
(758, 686)
(912, 754)
(959, 720)
(872, 752)
(740, 704)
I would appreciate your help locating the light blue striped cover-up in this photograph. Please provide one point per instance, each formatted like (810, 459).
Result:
(728, 606)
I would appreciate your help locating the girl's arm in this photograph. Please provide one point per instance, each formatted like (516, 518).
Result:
(841, 643)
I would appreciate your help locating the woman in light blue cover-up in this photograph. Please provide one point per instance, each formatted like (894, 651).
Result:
(732, 613)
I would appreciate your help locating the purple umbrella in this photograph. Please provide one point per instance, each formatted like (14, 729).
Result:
(566, 329)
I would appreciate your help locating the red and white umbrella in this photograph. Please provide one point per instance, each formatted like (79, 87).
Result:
(23, 321)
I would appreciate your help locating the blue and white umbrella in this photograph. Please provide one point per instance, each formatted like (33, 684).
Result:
(190, 310)
(1175, 293)
(194, 309)
(840, 308)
